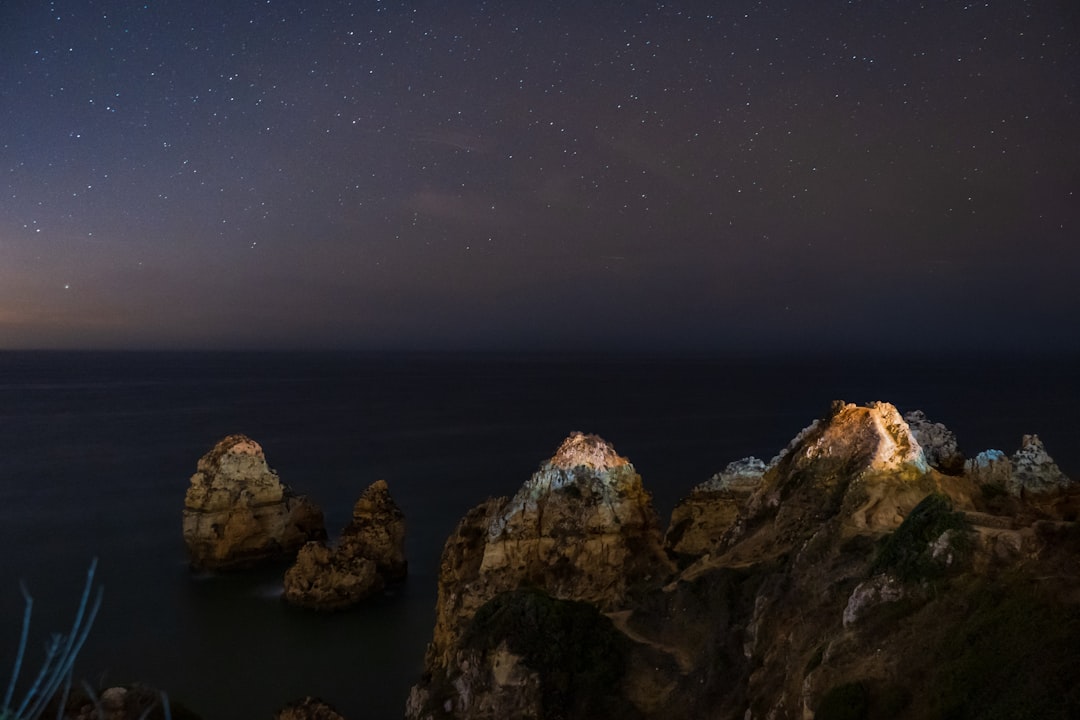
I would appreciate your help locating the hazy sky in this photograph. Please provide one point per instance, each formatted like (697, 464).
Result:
(613, 175)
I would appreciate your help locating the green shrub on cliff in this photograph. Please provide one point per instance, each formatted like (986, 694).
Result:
(912, 552)
(577, 653)
(844, 702)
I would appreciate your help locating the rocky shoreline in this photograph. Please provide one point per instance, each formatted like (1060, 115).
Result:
(868, 570)
(831, 582)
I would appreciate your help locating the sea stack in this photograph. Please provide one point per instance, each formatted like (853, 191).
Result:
(237, 512)
(369, 555)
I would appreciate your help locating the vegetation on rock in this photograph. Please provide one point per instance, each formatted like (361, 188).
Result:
(578, 654)
(914, 552)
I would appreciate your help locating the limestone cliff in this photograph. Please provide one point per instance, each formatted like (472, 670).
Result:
(708, 519)
(582, 528)
(856, 575)
(237, 513)
(369, 554)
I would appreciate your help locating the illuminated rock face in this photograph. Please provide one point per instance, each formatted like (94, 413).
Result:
(237, 513)
(791, 576)
(369, 555)
(873, 438)
(581, 528)
(864, 459)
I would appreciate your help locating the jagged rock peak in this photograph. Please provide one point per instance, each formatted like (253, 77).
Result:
(1033, 470)
(369, 555)
(894, 446)
(376, 494)
(588, 463)
(235, 461)
(582, 527)
(590, 451)
(937, 441)
(744, 474)
(233, 449)
(377, 531)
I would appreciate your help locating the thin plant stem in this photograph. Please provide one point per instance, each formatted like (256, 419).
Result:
(21, 652)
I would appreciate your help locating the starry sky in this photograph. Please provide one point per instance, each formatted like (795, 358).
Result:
(656, 176)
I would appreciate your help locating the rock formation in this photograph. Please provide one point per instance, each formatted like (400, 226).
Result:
(130, 702)
(706, 520)
(858, 574)
(237, 513)
(937, 441)
(308, 708)
(369, 554)
(1034, 472)
(582, 528)
(989, 467)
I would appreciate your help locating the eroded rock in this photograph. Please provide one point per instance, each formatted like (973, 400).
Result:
(869, 594)
(871, 438)
(581, 528)
(989, 467)
(937, 441)
(237, 513)
(704, 521)
(369, 555)
(1034, 472)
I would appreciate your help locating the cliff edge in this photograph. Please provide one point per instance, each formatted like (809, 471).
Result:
(866, 571)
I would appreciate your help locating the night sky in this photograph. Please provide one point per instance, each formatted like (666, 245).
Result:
(683, 176)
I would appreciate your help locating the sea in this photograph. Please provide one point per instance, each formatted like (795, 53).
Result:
(96, 452)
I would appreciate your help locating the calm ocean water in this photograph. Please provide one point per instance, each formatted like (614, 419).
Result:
(96, 451)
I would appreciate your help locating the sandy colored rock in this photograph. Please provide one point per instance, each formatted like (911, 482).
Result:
(707, 520)
(858, 579)
(377, 532)
(369, 555)
(237, 513)
(581, 528)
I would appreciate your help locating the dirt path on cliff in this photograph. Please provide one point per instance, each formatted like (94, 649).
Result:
(621, 620)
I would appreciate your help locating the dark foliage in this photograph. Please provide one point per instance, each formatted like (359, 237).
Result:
(849, 701)
(907, 553)
(578, 654)
(1014, 656)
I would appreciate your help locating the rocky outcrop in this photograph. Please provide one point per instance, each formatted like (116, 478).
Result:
(869, 594)
(861, 439)
(858, 574)
(582, 528)
(1034, 472)
(937, 441)
(237, 513)
(989, 467)
(130, 702)
(1030, 480)
(526, 654)
(369, 554)
(308, 708)
(704, 521)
